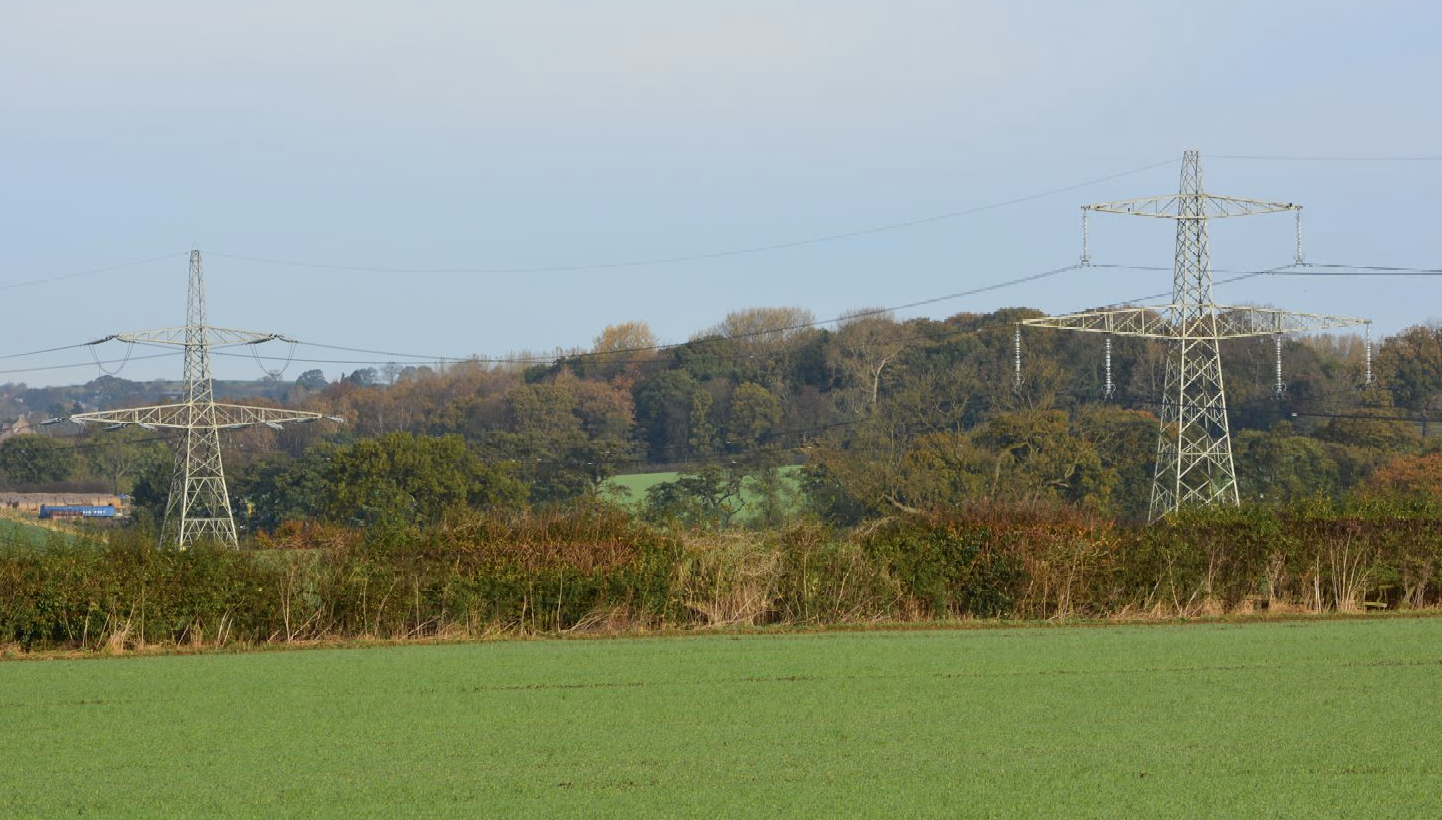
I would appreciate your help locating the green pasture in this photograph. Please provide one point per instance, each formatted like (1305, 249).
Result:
(1265, 720)
(638, 483)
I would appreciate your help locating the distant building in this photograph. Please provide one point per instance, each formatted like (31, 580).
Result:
(19, 427)
(31, 502)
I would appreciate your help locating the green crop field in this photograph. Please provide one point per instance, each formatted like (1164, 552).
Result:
(1263, 720)
(32, 535)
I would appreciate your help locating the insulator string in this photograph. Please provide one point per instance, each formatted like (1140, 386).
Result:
(1016, 359)
(1281, 387)
(1108, 389)
(1368, 348)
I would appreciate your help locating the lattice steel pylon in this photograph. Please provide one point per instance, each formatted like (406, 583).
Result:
(1194, 447)
(199, 505)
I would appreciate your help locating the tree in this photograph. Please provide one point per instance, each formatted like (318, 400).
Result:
(764, 330)
(311, 380)
(1410, 364)
(543, 408)
(557, 467)
(754, 413)
(1374, 425)
(619, 346)
(415, 480)
(762, 342)
(150, 490)
(280, 489)
(28, 460)
(364, 377)
(120, 454)
(1126, 442)
(627, 337)
(708, 497)
(606, 409)
(1411, 477)
(663, 410)
(863, 346)
(1280, 466)
(1038, 457)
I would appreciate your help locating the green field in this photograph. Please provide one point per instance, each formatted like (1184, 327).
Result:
(1264, 720)
(638, 483)
(31, 535)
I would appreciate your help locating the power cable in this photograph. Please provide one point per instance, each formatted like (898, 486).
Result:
(1278, 158)
(1224, 281)
(85, 364)
(91, 272)
(620, 351)
(755, 249)
(95, 357)
(1360, 270)
(420, 358)
(655, 348)
(46, 350)
(384, 353)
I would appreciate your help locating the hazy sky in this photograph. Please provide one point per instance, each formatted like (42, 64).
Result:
(484, 135)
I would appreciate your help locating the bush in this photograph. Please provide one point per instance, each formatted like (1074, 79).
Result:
(475, 574)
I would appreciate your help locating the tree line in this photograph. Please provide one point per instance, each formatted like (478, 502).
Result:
(866, 418)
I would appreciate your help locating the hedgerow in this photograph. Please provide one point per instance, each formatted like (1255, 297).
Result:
(599, 569)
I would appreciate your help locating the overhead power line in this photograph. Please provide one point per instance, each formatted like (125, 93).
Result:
(91, 272)
(85, 364)
(46, 350)
(697, 257)
(418, 358)
(1033, 277)
(1313, 269)
(1278, 158)
(1227, 280)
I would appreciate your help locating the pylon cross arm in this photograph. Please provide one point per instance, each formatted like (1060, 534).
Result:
(182, 416)
(1150, 322)
(1173, 206)
(238, 415)
(1235, 322)
(165, 415)
(213, 336)
(1161, 321)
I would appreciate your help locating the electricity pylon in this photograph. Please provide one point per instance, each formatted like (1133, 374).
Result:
(1194, 446)
(199, 505)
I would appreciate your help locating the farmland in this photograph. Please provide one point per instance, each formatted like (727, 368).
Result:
(22, 533)
(1319, 718)
(635, 485)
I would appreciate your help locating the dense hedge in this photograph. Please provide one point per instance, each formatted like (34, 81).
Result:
(599, 569)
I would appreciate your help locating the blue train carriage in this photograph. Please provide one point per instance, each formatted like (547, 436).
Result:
(76, 511)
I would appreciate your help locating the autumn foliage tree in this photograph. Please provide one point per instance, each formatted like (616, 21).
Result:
(1411, 477)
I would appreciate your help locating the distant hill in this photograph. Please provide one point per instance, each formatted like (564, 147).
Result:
(109, 392)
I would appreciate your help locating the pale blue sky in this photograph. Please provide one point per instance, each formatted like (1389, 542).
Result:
(519, 135)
